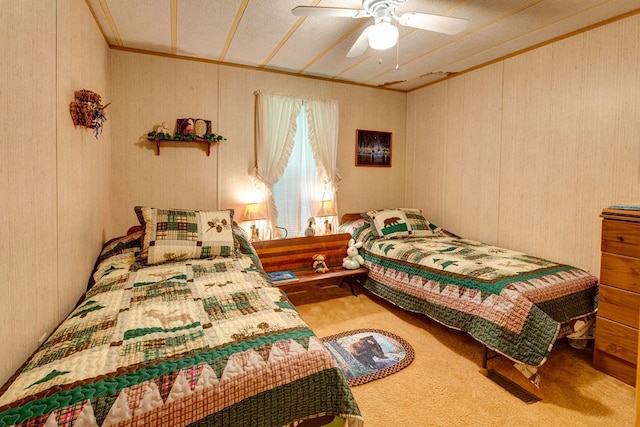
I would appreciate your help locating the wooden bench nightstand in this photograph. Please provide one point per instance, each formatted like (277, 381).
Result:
(295, 254)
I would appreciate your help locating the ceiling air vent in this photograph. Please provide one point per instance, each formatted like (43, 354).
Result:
(438, 74)
(392, 83)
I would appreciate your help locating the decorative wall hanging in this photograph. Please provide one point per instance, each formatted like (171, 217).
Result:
(87, 111)
(373, 148)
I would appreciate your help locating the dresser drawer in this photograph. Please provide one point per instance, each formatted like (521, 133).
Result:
(617, 340)
(617, 368)
(619, 305)
(620, 271)
(621, 237)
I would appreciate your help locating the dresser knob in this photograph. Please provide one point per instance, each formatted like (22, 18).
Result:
(620, 238)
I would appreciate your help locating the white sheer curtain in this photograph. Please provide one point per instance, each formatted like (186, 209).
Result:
(300, 186)
(323, 119)
(275, 129)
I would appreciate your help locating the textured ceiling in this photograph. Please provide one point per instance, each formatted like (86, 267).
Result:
(265, 34)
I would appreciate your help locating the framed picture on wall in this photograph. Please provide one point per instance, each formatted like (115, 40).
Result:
(373, 148)
(197, 127)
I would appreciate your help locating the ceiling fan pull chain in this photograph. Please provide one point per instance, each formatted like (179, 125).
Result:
(398, 54)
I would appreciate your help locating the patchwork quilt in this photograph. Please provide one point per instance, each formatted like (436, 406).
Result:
(514, 303)
(196, 342)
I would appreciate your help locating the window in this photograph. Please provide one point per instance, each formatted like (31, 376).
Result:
(300, 187)
(295, 168)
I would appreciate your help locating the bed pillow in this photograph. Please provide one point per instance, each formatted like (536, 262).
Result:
(115, 256)
(179, 234)
(352, 225)
(418, 224)
(398, 223)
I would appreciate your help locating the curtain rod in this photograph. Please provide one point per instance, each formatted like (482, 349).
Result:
(296, 97)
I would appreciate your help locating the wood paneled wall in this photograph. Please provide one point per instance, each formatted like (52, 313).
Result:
(28, 258)
(151, 89)
(55, 179)
(526, 152)
(83, 166)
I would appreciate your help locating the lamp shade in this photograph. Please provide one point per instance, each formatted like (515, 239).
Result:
(253, 212)
(383, 35)
(326, 208)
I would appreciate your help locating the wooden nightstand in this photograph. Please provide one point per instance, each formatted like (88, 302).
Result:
(295, 254)
(616, 344)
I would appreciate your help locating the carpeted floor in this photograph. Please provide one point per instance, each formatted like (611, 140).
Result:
(442, 386)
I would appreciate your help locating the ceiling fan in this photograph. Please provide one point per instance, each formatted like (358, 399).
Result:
(382, 34)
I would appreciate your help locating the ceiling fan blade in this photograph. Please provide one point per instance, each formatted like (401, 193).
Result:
(361, 45)
(328, 11)
(437, 23)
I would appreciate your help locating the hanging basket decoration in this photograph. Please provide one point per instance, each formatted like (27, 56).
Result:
(87, 111)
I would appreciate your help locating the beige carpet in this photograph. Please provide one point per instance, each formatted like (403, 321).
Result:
(442, 387)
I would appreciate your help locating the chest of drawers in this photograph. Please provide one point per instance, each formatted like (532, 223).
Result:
(616, 344)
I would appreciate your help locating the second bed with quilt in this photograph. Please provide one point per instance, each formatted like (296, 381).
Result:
(515, 304)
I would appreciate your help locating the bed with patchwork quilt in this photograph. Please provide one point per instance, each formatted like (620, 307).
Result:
(180, 327)
(513, 303)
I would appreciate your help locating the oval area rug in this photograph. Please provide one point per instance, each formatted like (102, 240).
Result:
(368, 354)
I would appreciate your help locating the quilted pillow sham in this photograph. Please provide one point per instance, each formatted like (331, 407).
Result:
(179, 234)
(398, 223)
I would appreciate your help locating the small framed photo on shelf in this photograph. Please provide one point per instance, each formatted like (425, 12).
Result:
(196, 127)
(373, 148)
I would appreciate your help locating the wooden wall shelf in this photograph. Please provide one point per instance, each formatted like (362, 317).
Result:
(176, 143)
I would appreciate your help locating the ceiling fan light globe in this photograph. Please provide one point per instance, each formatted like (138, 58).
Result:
(383, 35)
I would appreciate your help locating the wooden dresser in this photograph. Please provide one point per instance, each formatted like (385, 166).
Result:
(616, 344)
(638, 388)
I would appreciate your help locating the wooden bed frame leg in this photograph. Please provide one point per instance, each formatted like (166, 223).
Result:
(483, 367)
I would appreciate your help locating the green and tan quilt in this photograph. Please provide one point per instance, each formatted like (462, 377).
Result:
(196, 342)
(515, 304)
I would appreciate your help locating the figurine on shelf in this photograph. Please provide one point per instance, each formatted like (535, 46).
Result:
(160, 132)
(164, 128)
(327, 227)
(310, 231)
(255, 234)
(186, 126)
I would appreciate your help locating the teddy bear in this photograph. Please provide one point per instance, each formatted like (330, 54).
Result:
(318, 263)
(353, 259)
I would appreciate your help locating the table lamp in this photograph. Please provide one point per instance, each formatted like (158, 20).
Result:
(253, 212)
(327, 210)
